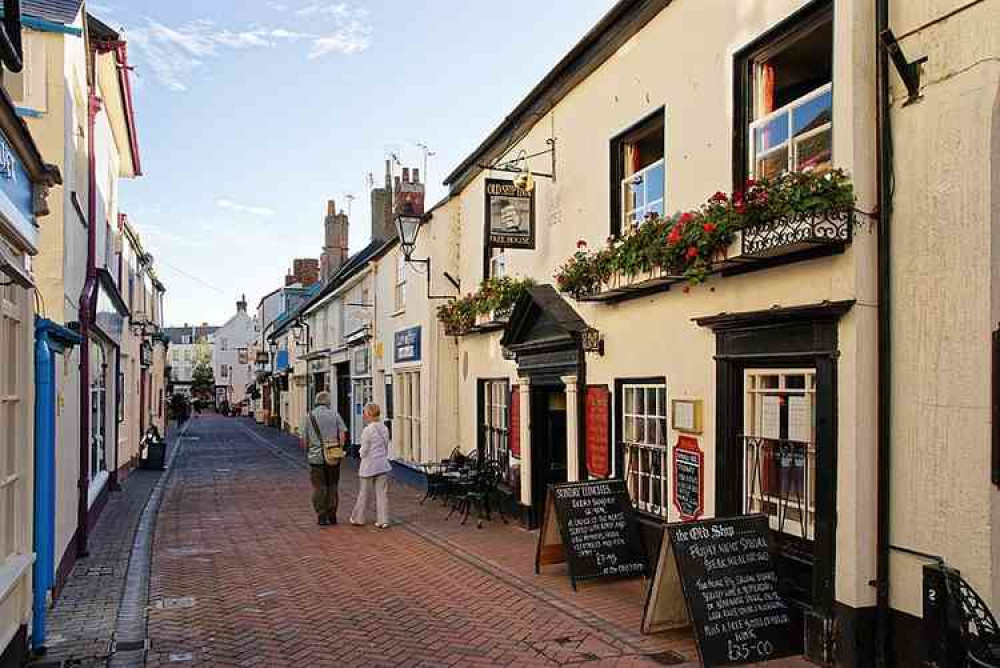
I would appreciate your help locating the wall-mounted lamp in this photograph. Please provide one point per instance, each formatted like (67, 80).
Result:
(592, 341)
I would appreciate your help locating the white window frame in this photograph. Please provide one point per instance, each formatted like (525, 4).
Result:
(400, 287)
(15, 353)
(407, 422)
(757, 500)
(498, 263)
(638, 214)
(496, 421)
(793, 140)
(646, 459)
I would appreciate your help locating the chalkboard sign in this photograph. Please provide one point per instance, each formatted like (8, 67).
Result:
(731, 587)
(689, 478)
(597, 529)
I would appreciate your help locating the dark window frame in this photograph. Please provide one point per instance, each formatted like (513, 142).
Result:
(618, 419)
(616, 162)
(802, 21)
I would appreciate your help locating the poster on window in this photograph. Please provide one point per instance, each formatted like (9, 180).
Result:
(510, 215)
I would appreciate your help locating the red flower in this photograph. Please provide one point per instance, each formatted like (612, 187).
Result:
(686, 217)
(719, 197)
(674, 237)
(581, 244)
(692, 252)
(750, 183)
(708, 227)
(739, 206)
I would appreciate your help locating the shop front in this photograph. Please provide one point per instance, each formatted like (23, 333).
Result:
(404, 395)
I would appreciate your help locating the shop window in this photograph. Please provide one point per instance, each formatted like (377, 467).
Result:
(400, 294)
(14, 347)
(642, 417)
(408, 426)
(780, 448)
(784, 94)
(638, 173)
(494, 419)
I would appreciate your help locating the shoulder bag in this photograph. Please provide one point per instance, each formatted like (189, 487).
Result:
(333, 452)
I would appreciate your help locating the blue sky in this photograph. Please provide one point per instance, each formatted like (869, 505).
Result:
(252, 113)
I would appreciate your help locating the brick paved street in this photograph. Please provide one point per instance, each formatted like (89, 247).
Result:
(242, 576)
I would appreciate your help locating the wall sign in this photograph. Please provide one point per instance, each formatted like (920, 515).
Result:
(510, 215)
(730, 585)
(598, 417)
(689, 478)
(16, 195)
(686, 414)
(406, 346)
(591, 526)
(514, 435)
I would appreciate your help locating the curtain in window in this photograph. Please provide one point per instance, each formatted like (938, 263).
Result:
(632, 164)
(766, 89)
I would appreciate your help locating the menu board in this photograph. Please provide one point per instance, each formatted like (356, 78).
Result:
(688, 478)
(730, 584)
(598, 419)
(598, 530)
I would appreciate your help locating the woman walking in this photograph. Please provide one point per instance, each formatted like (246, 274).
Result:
(320, 427)
(374, 470)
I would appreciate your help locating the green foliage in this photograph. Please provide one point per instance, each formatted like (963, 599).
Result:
(495, 295)
(203, 379)
(687, 244)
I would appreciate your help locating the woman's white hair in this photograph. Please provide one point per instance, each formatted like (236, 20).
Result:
(323, 399)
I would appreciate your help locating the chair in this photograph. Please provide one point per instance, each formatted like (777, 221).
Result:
(979, 630)
(481, 493)
(437, 483)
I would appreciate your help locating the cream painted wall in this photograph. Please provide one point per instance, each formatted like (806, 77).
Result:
(682, 61)
(944, 278)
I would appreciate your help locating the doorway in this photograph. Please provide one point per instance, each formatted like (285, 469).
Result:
(344, 391)
(548, 442)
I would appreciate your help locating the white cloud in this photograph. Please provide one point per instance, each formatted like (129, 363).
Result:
(173, 53)
(245, 208)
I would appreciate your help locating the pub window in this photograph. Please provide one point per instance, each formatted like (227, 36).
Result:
(13, 417)
(780, 448)
(400, 300)
(498, 263)
(638, 173)
(495, 422)
(643, 420)
(785, 93)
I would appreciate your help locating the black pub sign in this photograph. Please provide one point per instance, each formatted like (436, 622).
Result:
(510, 215)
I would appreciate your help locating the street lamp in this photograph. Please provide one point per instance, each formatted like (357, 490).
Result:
(407, 229)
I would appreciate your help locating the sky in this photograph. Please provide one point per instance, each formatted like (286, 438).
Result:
(251, 114)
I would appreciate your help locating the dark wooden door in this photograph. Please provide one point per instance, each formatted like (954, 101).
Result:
(548, 442)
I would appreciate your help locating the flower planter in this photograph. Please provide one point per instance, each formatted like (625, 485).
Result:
(796, 232)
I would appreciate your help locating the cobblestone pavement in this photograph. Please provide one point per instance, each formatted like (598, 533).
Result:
(81, 624)
(243, 576)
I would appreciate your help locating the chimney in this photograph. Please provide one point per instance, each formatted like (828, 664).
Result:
(305, 272)
(335, 229)
(416, 175)
(406, 174)
(241, 305)
(409, 196)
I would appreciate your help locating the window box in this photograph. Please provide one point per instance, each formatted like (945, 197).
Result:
(796, 232)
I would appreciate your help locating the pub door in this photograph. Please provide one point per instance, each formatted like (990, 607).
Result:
(548, 442)
(343, 397)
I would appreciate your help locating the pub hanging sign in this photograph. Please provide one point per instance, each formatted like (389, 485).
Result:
(510, 215)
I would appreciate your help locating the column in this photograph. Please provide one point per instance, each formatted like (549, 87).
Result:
(524, 389)
(572, 445)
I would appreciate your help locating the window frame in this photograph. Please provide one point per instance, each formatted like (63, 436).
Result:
(798, 23)
(408, 426)
(399, 293)
(487, 411)
(616, 158)
(618, 455)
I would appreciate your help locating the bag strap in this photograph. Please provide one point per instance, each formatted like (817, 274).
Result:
(315, 425)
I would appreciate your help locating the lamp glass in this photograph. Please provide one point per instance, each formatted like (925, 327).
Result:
(407, 228)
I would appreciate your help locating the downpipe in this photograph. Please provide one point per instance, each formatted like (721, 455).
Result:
(884, 167)
(44, 495)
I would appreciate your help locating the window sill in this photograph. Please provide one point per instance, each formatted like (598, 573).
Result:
(397, 312)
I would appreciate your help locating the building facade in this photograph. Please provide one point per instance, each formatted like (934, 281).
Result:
(231, 357)
(191, 347)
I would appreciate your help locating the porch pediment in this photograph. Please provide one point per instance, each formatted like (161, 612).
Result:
(542, 319)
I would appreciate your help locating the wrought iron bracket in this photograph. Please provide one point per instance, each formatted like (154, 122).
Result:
(510, 166)
(909, 72)
(427, 262)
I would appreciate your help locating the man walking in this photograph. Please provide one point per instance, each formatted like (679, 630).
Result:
(323, 424)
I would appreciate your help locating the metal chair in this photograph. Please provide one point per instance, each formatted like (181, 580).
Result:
(482, 492)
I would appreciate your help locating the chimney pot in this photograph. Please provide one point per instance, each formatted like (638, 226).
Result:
(406, 174)
(416, 175)
(331, 207)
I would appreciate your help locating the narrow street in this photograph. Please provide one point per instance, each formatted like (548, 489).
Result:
(241, 575)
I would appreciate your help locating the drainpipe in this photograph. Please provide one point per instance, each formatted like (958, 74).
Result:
(884, 169)
(88, 312)
(45, 467)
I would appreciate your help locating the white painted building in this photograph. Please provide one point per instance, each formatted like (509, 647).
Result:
(231, 356)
